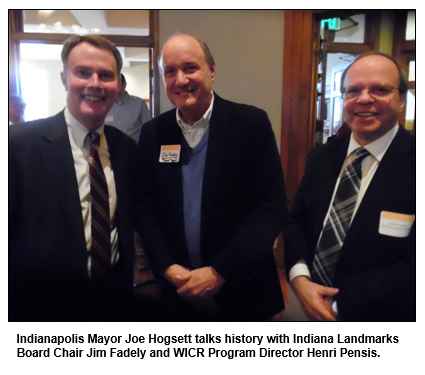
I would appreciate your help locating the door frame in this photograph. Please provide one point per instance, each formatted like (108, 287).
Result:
(334, 94)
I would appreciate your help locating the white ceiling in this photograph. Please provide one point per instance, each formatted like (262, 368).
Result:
(106, 22)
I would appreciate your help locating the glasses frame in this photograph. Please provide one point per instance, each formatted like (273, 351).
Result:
(362, 88)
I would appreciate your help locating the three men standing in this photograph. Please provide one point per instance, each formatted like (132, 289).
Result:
(210, 200)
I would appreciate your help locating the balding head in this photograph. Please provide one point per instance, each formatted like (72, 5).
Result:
(372, 97)
(207, 53)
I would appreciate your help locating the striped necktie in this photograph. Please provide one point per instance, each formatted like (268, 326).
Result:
(100, 219)
(339, 220)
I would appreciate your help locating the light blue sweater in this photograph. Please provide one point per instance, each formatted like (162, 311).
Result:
(193, 165)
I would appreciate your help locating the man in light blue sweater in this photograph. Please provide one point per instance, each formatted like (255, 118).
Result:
(211, 196)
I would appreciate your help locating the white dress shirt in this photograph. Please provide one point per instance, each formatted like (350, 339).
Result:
(370, 164)
(194, 133)
(80, 146)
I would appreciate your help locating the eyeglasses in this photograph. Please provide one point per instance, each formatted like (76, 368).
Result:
(377, 91)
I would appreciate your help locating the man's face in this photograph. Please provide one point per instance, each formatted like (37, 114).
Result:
(92, 82)
(187, 76)
(370, 118)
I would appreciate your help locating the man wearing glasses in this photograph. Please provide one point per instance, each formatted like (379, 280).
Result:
(350, 237)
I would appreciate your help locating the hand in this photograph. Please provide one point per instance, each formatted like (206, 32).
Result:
(203, 284)
(316, 300)
(177, 275)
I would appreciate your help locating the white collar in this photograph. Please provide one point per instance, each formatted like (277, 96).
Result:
(203, 122)
(79, 131)
(378, 147)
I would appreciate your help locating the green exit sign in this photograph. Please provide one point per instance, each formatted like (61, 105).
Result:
(333, 23)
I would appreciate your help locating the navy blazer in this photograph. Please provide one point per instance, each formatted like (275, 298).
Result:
(48, 277)
(375, 273)
(243, 206)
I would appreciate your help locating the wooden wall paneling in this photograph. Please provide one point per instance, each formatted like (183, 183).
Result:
(297, 135)
(298, 106)
(15, 25)
(349, 48)
(156, 78)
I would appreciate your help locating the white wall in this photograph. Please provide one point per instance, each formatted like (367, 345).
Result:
(247, 46)
(56, 94)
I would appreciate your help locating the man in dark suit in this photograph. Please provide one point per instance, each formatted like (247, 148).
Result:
(356, 261)
(54, 246)
(211, 197)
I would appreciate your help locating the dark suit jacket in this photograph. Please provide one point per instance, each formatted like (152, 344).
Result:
(375, 273)
(243, 206)
(48, 277)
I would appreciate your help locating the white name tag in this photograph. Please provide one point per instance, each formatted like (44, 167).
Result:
(170, 154)
(395, 225)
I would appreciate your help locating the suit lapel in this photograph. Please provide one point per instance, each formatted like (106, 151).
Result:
(391, 170)
(57, 156)
(328, 173)
(220, 135)
(116, 163)
(169, 133)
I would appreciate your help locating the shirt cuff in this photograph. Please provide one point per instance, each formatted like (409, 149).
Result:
(299, 269)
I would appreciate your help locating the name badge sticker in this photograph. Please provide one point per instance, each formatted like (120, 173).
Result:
(395, 225)
(170, 154)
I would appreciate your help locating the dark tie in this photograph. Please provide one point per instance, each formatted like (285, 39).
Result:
(339, 220)
(100, 219)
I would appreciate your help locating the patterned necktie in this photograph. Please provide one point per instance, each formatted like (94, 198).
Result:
(100, 219)
(339, 220)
